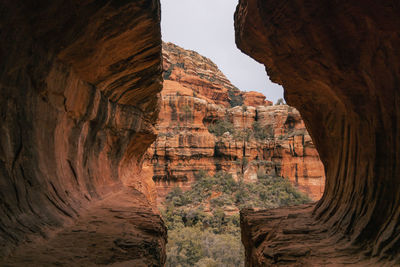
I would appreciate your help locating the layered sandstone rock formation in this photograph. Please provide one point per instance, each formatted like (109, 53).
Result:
(196, 95)
(78, 83)
(339, 64)
(338, 61)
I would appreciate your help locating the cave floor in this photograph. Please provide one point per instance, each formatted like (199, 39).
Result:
(290, 236)
(120, 230)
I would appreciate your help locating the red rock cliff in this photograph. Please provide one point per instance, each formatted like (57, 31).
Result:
(339, 64)
(196, 96)
(79, 82)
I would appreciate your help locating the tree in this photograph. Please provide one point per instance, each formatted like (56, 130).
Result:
(221, 127)
(200, 230)
(280, 102)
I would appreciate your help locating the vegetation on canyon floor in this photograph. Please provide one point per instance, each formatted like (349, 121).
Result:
(203, 223)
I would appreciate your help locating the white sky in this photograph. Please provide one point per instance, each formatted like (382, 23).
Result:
(206, 26)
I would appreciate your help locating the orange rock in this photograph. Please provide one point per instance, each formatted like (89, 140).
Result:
(339, 64)
(80, 87)
(255, 99)
(197, 73)
(184, 145)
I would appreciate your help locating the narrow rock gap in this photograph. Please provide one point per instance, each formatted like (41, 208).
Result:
(208, 168)
(80, 86)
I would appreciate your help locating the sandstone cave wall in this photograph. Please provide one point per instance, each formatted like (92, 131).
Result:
(78, 100)
(339, 64)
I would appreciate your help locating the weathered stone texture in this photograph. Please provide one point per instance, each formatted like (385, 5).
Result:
(190, 103)
(339, 64)
(78, 101)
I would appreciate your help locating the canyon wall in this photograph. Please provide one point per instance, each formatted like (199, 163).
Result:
(339, 64)
(78, 103)
(260, 139)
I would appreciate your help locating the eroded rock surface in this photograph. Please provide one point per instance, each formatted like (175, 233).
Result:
(339, 64)
(78, 102)
(196, 95)
(119, 229)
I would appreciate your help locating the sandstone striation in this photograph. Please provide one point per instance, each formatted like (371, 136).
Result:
(119, 229)
(339, 64)
(78, 100)
(191, 104)
(79, 84)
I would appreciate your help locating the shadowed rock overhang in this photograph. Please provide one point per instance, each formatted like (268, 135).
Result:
(339, 64)
(79, 84)
(78, 99)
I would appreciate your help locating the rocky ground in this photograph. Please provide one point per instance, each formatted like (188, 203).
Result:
(119, 230)
(265, 235)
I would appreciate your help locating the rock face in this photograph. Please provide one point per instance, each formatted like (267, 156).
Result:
(339, 65)
(78, 100)
(255, 99)
(262, 139)
(197, 73)
(79, 84)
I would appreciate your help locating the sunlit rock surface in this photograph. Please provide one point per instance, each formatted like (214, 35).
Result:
(339, 64)
(195, 95)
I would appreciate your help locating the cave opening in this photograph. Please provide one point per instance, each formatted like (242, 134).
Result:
(236, 149)
(79, 87)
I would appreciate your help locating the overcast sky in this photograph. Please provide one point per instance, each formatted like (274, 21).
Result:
(206, 26)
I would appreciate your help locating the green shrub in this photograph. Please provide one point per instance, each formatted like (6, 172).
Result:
(180, 65)
(177, 197)
(191, 246)
(198, 238)
(167, 73)
(244, 134)
(262, 132)
(220, 127)
(221, 201)
(235, 98)
(280, 101)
